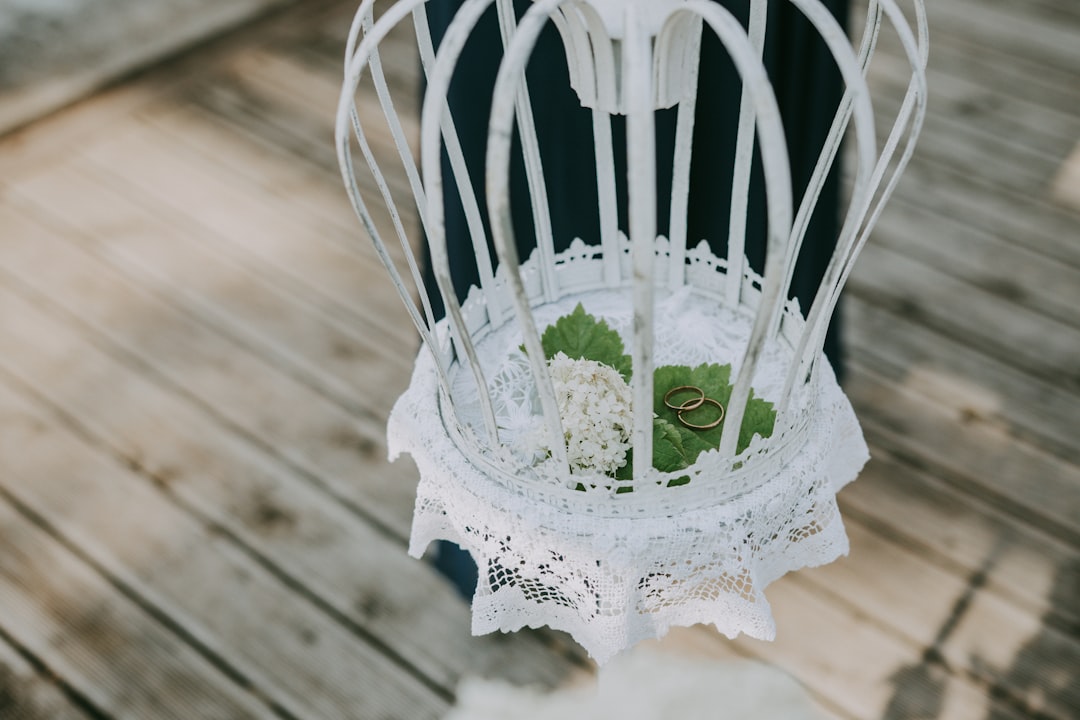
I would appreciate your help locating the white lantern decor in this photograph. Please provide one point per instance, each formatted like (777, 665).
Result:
(638, 433)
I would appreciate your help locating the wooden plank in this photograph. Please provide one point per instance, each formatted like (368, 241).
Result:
(280, 81)
(902, 349)
(308, 541)
(957, 55)
(48, 140)
(1066, 187)
(1008, 26)
(959, 531)
(1009, 163)
(950, 615)
(275, 117)
(27, 693)
(244, 174)
(56, 53)
(987, 260)
(336, 359)
(932, 422)
(322, 53)
(255, 106)
(978, 101)
(997, 152)
(1032, 222)
(302, 84)
(327, 41)
(228, 222)
(256, 171)
(243, 162)
(122, 661)
(1041, 346)
(1057, 11)
(340, 453)
(270, 95)
(25, 149)
(862, 670)
(210, 590)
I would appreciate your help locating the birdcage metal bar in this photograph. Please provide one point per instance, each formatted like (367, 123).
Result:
(534, 168)
(398, 134)
(777, 174)
(607, 198)
(637, 90)
(829, 150)
(596, 75)
(680, 175)
(451, 46)
(909, 119)
(462, 180)
(348, 120)
(744, 155)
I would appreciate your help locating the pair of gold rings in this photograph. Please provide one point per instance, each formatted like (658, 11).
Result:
(692, 404)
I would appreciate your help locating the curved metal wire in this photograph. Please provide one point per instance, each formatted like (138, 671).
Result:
(625, 75)
(910, 117)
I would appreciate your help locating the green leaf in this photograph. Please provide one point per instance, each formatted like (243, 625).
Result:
(669, 452)
(715, 380)
(760, 419)
(626, 471)
(711, 378)
(582, 337)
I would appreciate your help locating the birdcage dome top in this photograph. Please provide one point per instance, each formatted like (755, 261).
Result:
(616, 557)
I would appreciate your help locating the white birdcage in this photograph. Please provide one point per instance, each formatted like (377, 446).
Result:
(613, 561)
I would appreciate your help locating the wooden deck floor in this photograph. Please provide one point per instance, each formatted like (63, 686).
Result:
(197, 357)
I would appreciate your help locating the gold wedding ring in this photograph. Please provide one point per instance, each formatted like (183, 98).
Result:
(707, 426)
(691, 404)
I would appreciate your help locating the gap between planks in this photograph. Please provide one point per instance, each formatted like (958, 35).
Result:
(28, 690)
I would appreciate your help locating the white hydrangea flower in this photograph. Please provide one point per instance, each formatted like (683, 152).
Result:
(595, 406)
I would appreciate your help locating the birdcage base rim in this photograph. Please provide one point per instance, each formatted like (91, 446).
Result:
(697, 311)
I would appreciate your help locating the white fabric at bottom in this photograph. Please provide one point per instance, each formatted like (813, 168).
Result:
(648, 686)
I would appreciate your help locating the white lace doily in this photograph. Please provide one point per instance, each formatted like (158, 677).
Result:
(609, 569)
